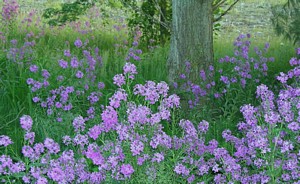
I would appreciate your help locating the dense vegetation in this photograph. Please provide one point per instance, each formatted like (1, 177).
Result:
(86, 102)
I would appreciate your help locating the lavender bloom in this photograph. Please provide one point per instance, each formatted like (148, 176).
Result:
(127, 170)
(74, 62)
(45, 74)
(158, 157)
(78, 124)
(93, 153)
(78, 43)
(110, 118)
(63, 64)
(26, 122)
(94, 132)
(203, 126)
(5, 140)
(101, 85)
(80, 140)
(116, 99)
(119, 80)
(136, 147)
(181, 170)
(67, 53)
(130, 69)
(33, 68)
(298, 51)
(52, 146)
(30, 137)
(27, 151)
(294, 61)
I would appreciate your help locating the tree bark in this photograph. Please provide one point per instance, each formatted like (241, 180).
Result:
(191, 37)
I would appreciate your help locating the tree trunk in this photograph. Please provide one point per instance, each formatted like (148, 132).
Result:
(191, 37)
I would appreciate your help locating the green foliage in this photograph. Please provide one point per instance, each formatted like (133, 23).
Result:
(286, 20)
(67, 12)
(152, 17)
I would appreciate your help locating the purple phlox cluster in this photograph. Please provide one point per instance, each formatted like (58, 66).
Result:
(134, 53)
(136, 147)
(10, 10)
(33, 68)
(119, 96)
(26, 122)
(188, 128)
(123, 132)
(109, 118)
(181, 170)
(158, 157)
(29, 136)
(94, 97)
(130, 70)
(67, 53)
(51, 145)
(162, 139)
(80, 140)
(79, 74)
(248, 112)
(246, 67)
(95, 131)
(152, 91)
(74, 62)
(19, 55)
(78, 43)
(173, 101)
(127, 170)
(93, 153)
(139, 114)
(8, 167)
(79, 124)
(5, 140)
(119, 80)
(63, 64)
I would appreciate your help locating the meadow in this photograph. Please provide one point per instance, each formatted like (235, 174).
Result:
(88, 102)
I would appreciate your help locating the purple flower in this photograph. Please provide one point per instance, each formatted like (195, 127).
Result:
(130, 69)
(5, 140)
(63, 64)
(101, 85)
(93, 153)
(33, 68)
(27, 151)
(298, 51)
(30, 137)
(136, 147)
(67, 53)
(293, 61)
(294, 126)
(94, 132)
(119, 80)
(26, 122)
(181, 170)
(74, 62)
(52, 146)
(79, 74)
(78, 124)
(110, 118)
(45, 74)
(78, 43)
(282, 78)
(203, 126)
(126, 170)
(158, 157)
